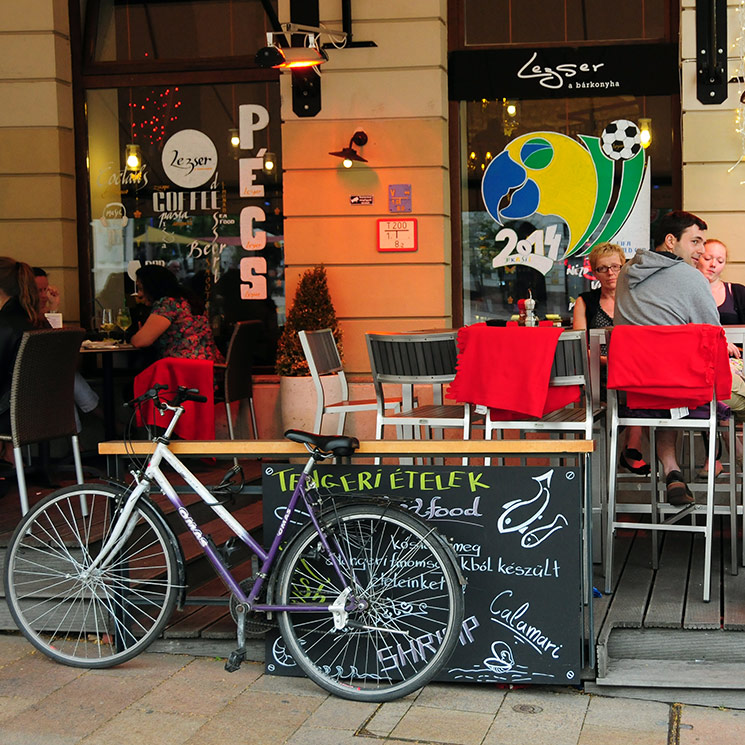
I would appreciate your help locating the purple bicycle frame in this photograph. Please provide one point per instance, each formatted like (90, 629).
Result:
(267, 557)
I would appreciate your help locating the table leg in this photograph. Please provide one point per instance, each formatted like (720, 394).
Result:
(109, 418)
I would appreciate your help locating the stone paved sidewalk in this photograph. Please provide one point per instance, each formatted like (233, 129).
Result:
(174, 699)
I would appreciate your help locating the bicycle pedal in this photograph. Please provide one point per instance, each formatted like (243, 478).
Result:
(237, 657)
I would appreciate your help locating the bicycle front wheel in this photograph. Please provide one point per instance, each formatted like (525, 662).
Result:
(410, 599)
(86, 617)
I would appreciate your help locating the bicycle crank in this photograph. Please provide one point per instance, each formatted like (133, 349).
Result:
(256, 623)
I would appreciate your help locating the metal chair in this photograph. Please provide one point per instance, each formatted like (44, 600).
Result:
(569, 368)
(642, 348)
(416, 359)
(42, 403)
(233, 379)
(322, 356)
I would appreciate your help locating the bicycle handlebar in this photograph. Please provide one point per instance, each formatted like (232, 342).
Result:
(182, 394)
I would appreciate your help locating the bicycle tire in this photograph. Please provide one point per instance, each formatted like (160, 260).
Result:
(94, 621)
(404, 571)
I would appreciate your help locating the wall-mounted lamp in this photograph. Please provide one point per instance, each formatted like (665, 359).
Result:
(287, 57)
(270, 162)
(235, 138)
(133, 157)
(645, 132)
(349, 154)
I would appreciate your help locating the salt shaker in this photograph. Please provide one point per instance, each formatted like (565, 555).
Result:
(530, 319)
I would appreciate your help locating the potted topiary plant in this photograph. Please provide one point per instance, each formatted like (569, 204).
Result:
(311, 309)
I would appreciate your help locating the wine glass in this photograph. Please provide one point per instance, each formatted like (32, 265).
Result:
(123, 320)
(107, 324)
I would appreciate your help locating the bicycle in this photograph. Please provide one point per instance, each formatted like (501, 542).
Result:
(368, 597)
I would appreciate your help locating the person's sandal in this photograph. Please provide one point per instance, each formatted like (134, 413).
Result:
(632, 460)
(703, 474)
(678, 493)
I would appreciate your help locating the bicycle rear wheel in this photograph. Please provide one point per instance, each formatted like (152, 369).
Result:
(85, 618)
(403, 572)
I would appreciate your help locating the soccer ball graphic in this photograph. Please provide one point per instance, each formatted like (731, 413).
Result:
(620, 140)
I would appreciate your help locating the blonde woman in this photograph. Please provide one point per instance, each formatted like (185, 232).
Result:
(730, 300)
(595, 309)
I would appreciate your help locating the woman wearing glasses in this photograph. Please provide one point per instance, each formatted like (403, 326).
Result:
(594, 310)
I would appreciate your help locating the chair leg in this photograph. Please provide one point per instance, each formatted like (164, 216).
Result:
(79, 473)
(21, 477)
(229, 415)
(487, 436)
(341, 421)
(252, 412)
(379, 435)
(731, 452)
(611, 519)
(654, 511)
(709, 520)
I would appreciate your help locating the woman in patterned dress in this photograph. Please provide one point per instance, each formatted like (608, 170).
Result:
(594, 310)
(177, 325)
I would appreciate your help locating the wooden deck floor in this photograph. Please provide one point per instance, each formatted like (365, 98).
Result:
(655, 629)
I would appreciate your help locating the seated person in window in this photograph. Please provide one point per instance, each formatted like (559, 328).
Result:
(177, 325)
(86, 399)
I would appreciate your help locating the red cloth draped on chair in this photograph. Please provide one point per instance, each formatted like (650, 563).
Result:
(198, 420)
(508, 369)
(666, 367)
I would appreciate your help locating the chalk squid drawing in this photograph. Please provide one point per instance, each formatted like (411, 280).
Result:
(519, 514)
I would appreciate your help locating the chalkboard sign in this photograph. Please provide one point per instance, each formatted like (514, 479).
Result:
(517, 533)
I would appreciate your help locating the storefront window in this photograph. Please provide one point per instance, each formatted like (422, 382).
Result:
(179, 175)
(152, 30)
(538, 253)
(489, 22)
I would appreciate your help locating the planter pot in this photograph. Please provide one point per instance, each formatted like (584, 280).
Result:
(297, 400)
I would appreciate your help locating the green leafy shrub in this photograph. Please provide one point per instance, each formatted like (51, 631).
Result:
(311, 310)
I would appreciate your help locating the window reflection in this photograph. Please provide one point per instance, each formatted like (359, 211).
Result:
(194, 202)
(492, 287)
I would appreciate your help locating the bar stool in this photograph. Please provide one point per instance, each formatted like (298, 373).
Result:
(639, 363)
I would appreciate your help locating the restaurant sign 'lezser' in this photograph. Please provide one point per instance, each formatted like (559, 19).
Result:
(564, 72)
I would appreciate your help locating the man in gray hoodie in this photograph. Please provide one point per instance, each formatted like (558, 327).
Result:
(663, 288)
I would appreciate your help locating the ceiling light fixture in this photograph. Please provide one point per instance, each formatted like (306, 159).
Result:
(645, 131)
(269, 162)
(349, 154)
(133, 157)
(280, 55)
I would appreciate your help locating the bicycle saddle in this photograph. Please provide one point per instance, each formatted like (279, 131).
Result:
(336, 444)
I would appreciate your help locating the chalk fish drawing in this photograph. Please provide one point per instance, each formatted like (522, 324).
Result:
(536, 536)
(520, 513)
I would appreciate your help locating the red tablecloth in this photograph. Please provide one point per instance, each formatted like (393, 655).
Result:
(198, 420)
(666, 367)
(508, 369)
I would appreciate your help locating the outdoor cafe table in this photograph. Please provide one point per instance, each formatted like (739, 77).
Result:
(107, 351)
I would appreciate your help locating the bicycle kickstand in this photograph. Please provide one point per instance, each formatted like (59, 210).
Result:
(239, 655)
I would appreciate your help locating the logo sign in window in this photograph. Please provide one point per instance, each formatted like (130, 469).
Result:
(189, 158)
